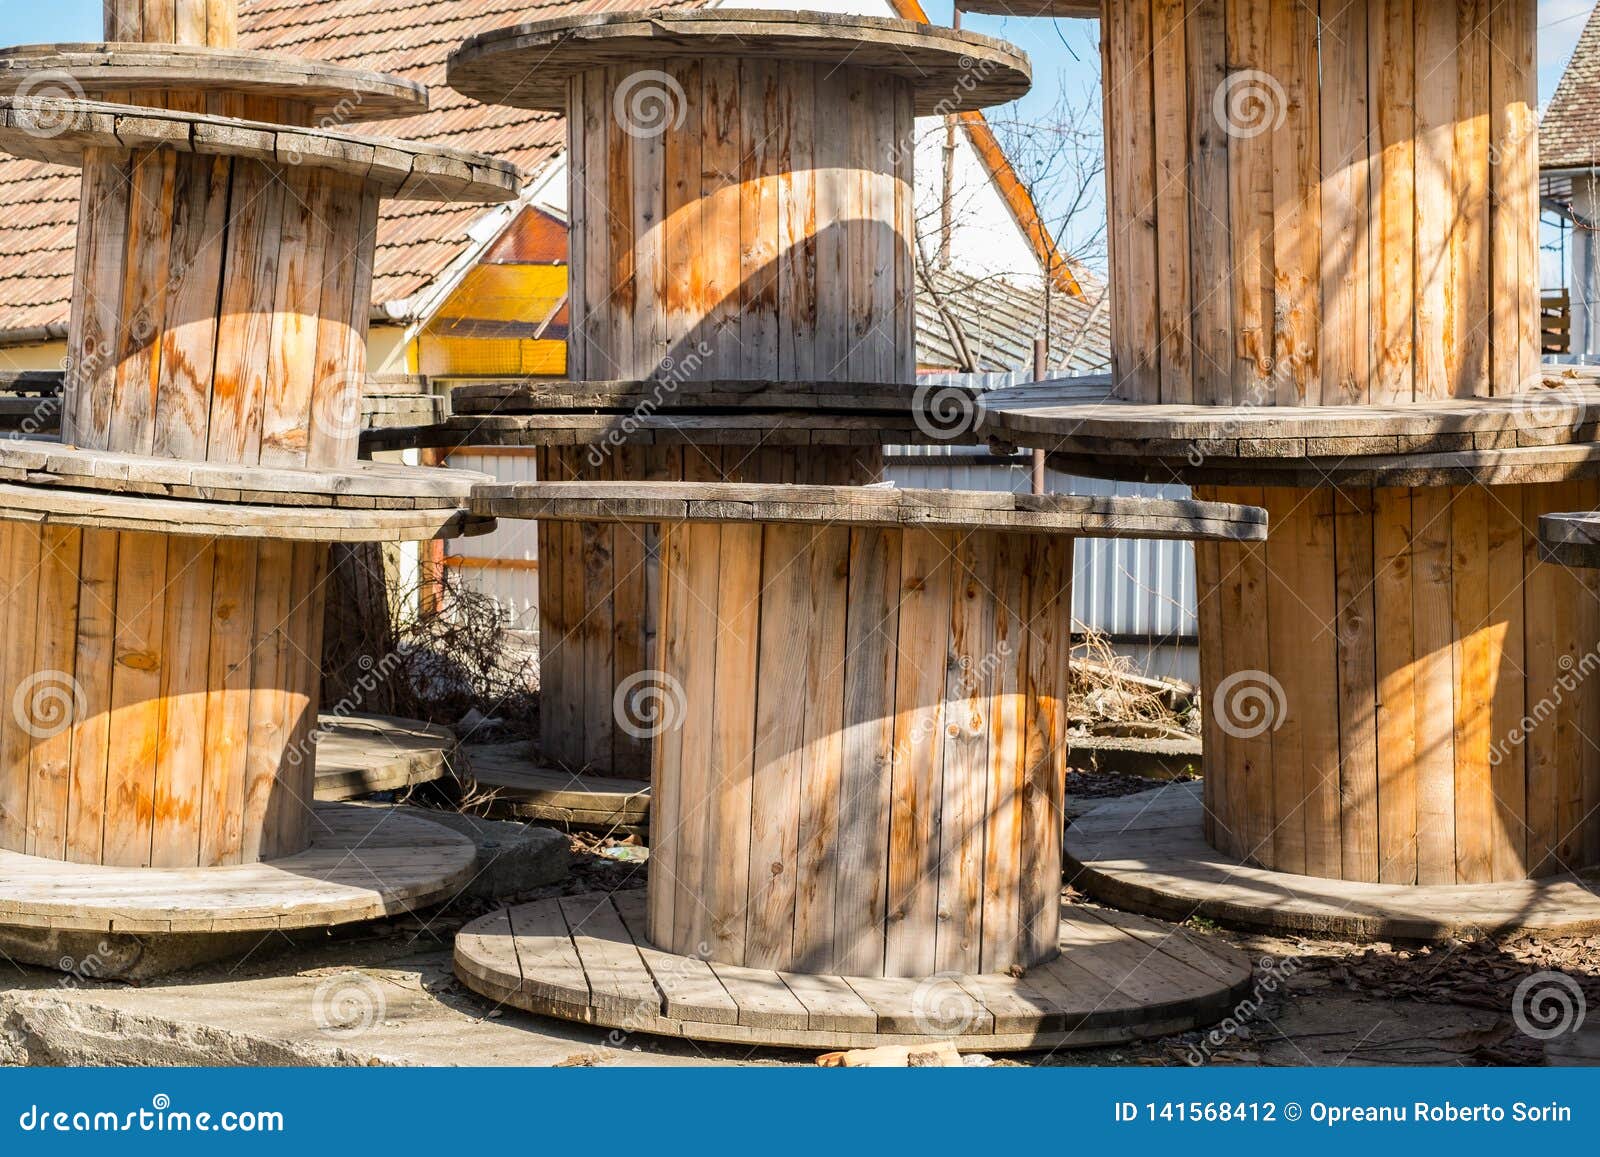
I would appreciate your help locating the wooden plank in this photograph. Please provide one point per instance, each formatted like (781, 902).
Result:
(268, 708)
(919, 748)
(1394, 608)
(1170, 112)
(1434, 679)
(188, 343)
(594, 322)
(862, 847)
(967, 739)
(1288, 626)
(817, 875)
(545, 954)
(136, 699)
(180, 753)
(1317, 692)
(1358, 692)
(47, 704)
(1297, 204)
(694, 632)
(652, 351)
(244, 330)
(227, 709)
(292, 346)
(1049, 636)
(1470, 248)
(1437, 85)
(667, 769)
(726, 880)
(1474, 670)
(92, 668)
(689, 989)
(1507, 657)
(720, 214)
(1133, 176)
(1210, 225)
(1392, 65)
(333, 414)
(619, 983)
(1546, 590)
(832, 109)
(621, 225)
(1346, 208)
(144, 298)
(1251, 209)
(102, 239)
(593, 635)
(1004, 924)
(780, 726)
(760, 128)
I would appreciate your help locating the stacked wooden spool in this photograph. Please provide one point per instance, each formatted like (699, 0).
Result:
(853, 694)
(162, 563)
(1324, 270)
(742, 279)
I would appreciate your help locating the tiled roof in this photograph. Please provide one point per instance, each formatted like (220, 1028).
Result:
(411, 38)
(1569, 136)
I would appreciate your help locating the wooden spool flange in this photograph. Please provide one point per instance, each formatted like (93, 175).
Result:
(161, 673)
(856, 707)
(741, 213)
(588, 958)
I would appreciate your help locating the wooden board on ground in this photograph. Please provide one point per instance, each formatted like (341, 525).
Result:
(364, 863)
(510, 781)
(361, 754)
(1118, 978)
(1148, 853)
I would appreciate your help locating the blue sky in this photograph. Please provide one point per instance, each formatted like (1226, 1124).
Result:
(1064, 52)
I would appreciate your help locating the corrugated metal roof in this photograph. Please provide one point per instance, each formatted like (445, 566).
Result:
(999, 321)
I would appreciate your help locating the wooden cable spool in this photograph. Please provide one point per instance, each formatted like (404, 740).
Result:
(1324, 269)
(162, 676)
(741, 213)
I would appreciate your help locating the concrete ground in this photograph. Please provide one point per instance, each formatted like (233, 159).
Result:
(384, 994)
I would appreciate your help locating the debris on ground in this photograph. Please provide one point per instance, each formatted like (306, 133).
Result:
(935, 1055)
